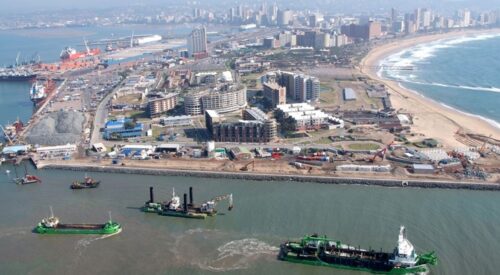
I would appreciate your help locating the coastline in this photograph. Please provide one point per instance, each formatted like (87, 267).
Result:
(273, 177)
(431, 119)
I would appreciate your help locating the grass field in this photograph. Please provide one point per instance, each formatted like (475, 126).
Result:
(363, 146)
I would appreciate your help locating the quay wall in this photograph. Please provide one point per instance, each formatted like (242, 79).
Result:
(274, 177)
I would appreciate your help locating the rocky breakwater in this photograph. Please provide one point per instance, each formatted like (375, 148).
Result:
(403, 183)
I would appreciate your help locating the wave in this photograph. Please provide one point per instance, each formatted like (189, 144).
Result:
(471, 88)
(419, 53)
(492, 122)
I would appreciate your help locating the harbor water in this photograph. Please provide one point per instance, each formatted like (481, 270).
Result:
(461, 226)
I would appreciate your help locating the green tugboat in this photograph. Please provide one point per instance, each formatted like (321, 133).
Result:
(321, 251)
(51, 225)
(176, 209)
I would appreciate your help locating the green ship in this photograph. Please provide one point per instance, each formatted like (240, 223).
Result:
(174, 207)
(321, 251)
(51, 225)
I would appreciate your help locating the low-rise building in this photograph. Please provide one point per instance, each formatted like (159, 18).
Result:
(176, 121)
(122, 128)
(303, 116)
(349, 94)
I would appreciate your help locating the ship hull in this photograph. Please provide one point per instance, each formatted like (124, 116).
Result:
(183, 214)
(94, 229)
(316, 262)
(84, 185)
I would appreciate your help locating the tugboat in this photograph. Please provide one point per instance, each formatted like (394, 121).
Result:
(321, 251)
(87, 182)
(27, 179)
(51, 225)
(175, 208)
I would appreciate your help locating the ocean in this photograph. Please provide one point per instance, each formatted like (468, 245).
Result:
(460, 73)
(461, 226)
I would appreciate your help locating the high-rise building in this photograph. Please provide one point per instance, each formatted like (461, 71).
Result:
(256, 127)
(466, 18)
(274, 93)
(417, 18)
(314, 20)
(299, 87)
(426, 18)
(366, 32)
(284, 17)
(197, 42)
(394, 15)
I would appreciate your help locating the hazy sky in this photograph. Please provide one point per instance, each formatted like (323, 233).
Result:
(344, 5)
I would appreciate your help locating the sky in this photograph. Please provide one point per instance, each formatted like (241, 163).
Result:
(343, 5)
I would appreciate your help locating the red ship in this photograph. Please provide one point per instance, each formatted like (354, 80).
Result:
(69, 53)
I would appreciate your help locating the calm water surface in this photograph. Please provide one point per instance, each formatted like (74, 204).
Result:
(461, 226)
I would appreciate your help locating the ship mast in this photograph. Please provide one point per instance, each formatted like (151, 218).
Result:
(51, 212)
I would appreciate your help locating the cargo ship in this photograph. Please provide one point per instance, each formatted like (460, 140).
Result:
(51, 225)
(70, 54)
(175, 208)
(321, 251)
(37, 92)
(87, 182)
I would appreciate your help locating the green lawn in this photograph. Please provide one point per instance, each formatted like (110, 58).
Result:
(363, 146)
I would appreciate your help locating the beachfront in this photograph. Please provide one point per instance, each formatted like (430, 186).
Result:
(430, 119)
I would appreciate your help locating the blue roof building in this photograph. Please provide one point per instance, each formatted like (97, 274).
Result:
(122, 128)
(15, 149)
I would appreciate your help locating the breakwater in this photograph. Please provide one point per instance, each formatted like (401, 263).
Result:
(275, 177)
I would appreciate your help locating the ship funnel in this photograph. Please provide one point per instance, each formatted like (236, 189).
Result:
(185, 203)
(151, 195)
(191, 195)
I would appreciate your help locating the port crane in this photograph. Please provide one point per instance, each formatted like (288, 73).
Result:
(10, 142)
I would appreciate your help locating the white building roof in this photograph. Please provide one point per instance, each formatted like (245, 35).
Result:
(138, 147)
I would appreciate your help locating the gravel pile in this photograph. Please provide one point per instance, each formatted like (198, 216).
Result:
(57, 129)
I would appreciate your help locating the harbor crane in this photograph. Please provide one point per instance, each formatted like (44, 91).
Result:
(9, 141)
(209, 206)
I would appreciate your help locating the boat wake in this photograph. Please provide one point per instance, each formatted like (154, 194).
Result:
(85, 242)
(13, 232)
(236, 254)
(239, 254)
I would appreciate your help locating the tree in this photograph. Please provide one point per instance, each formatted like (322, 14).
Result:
(129, 124)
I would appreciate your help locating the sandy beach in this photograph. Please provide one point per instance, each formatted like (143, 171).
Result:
(430, 119)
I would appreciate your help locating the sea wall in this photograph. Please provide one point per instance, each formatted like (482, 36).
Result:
(274, 177)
